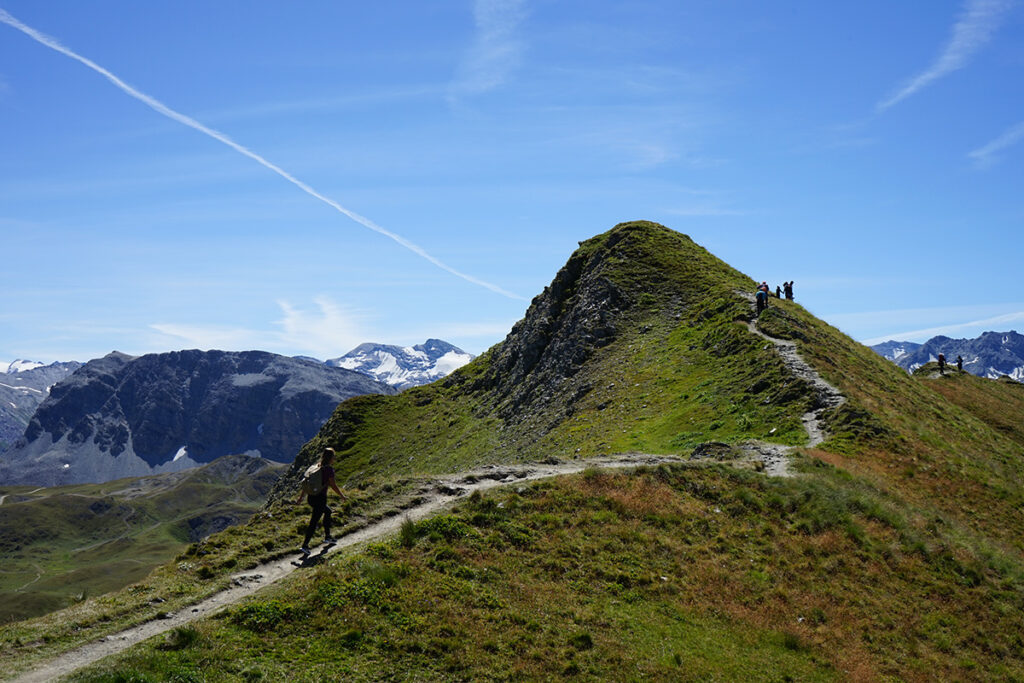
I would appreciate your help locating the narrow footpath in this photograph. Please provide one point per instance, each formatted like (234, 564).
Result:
(826, 396)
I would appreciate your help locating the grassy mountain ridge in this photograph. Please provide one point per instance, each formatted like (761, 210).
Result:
(895, 552)
(633, 346)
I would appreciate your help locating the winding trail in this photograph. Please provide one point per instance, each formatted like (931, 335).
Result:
(3, 498)
(434, 495)
(826, 396)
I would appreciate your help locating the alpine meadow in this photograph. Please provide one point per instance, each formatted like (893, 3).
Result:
(735, 545)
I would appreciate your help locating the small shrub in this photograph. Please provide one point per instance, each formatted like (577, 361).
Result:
(582, 641)
(180, 638)
(791, 641)
(261, 616)
(407, 533)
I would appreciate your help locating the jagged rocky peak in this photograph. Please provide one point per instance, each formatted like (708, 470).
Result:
(634, 268)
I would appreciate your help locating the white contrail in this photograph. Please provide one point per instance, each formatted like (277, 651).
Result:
(985, 156)
(975, 27)
(160, 107)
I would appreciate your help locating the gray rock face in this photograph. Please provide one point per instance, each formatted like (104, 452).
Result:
(991, 355)
(23, 386)
(124, 416)
(574, 316)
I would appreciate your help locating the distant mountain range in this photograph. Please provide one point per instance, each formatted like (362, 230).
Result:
(23, 386)
(992, 355)
(121, 416)
(404, 366)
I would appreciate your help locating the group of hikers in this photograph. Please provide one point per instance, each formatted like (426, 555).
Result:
(942, 363)
(763, 292)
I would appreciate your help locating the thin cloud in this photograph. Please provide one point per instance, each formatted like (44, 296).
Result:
(325, 331)
(986, 155)
(496, 50)
(161, 108)
(979, 21)
(972, 327)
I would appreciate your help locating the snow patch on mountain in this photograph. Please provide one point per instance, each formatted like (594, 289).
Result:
(404, 367)
(22, 366)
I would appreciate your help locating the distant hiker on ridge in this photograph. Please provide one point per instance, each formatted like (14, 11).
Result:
(942, 364)
(959, 363)
(778, 292)
(317, 479)
(787, 287)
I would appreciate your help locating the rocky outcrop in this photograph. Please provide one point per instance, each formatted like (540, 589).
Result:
(574, 316)
(124, 416)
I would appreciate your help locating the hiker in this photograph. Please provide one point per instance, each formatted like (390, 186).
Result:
(316, 487)
(959, 363)
(942, 364)
(762, 300)
(787, 287)
(778, 292)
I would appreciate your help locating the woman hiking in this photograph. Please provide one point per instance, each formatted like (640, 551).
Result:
(315, 482)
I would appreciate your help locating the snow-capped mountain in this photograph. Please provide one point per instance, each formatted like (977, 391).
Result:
(23, 386)
(404, 367)
(992, 355)
(895, 350)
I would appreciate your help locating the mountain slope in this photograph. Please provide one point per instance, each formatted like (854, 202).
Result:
(23, 386)
(60, 544)
(896, 551)
(122, 416)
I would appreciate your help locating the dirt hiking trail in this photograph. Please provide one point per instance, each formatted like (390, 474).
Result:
(435, 494)
(826, 396)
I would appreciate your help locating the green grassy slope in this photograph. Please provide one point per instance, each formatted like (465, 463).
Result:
(59, 545)
(674, 573)
(896, 553)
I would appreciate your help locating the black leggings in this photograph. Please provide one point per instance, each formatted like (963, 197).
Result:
(320, 509)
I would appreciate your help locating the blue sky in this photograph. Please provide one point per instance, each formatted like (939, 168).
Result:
(308, 176)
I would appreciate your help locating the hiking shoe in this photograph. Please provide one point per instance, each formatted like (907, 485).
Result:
(305, 551)
(330, 539)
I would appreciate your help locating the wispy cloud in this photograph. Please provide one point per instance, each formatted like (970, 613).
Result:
(974, 327)
(325, 331)
(163, 109)
(977, 23)
(496, 49)
(986, 156)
